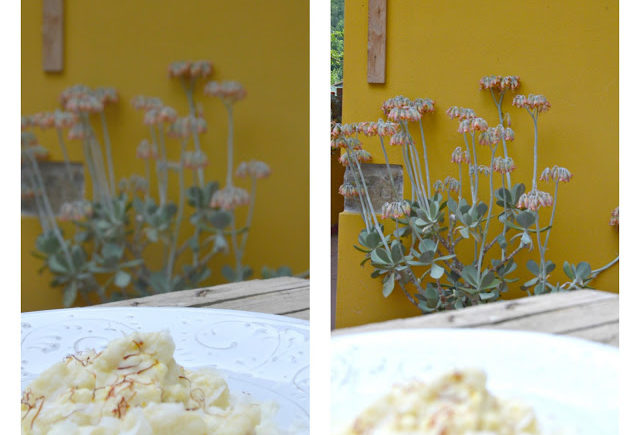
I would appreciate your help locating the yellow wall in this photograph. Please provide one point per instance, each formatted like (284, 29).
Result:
(129, 44)
(567, 51)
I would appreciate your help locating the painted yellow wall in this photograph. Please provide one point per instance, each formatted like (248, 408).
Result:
(567, 51)
(129, 44)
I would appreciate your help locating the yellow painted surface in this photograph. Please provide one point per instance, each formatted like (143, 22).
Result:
(567, 51)
(129, 45)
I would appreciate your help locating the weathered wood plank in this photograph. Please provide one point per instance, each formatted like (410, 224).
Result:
(282, 302)
(52, 35)
(304, 314)
(377, 42)
(217, 294)
(588, 314)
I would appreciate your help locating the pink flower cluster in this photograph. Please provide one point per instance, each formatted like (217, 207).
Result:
(452, 184)
(253, 169)
(195, 160)
(532, 102)
(494, 135)
(401, 108)
(614, 221)
(107, 95)
(348, 190)
(500, 82)
(228, 91)
(396, 209)
(359, 155)
(460, 113)
(534, 200)
(460, 156)
(190, 69)
(134, 183)
(183, 127)
(75, 211)
(469, 125)
(160, 115)
(400, 138)
(146, 150)
(503, 165)
(229, 197)
(140, 102)
(379, 128)
(556, 173)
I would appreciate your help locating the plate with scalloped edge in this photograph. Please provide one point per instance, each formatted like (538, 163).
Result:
(572, 384)
(263, 355)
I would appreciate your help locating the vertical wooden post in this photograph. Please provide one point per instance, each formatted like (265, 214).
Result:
(52, 35)
(377, 44)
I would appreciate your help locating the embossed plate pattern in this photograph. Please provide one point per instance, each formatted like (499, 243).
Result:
(263, 355)
(572, 384)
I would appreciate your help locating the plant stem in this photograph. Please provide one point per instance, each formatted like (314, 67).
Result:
(426, 161)
(252, 200)
(174, 241)
(535, 151)
(229, 144)
(460, 177)
(471, 183)
(236, 251)
(147, 176)
(165, 164)
(159, 169)
(553, 213)
(67, 162)
(475, 165)
(42, 217)
(541, 249)
(107, 143)
(486, 225)
(396, 194)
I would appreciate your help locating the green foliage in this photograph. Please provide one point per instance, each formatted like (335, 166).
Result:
(337, 40)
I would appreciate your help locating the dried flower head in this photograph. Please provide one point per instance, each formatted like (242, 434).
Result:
(195, 160)
(229, 92)
(534, 200)
(438, 186)
(556, 173)
(503, 165)
(254, 169)
(452, 184)
(348, 190)
(460, 156)
(615, 217)
(146, 150)
(359, 155)
(533, 102)
(396, 209)
(229, 198)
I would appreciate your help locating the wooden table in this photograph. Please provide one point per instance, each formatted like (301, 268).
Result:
(589, 314)
(285, 296)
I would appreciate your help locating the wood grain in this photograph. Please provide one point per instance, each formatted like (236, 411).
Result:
(377, 42)
(284, 296)
(52, 35)
(589, 314)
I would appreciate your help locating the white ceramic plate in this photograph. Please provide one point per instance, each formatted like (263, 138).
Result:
(571, 383)
(264, 355)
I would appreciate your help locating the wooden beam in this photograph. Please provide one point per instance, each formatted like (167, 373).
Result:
(377, 43)
(52, 35)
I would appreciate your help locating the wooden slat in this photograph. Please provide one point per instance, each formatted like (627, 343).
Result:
(52, 35)
(588, 314)
(377, 42)
(285, 296)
